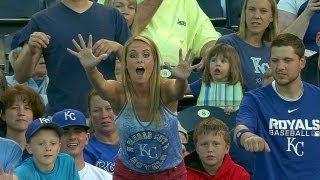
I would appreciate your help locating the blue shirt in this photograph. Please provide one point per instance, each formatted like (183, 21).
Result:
(145, 148)
(290, 127)
(195, 88)
(64, 168)
(253, 60)
(101, 154)
(10, 154)
(69, 86)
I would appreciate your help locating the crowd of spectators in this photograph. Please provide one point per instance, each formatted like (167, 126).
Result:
(95, 88)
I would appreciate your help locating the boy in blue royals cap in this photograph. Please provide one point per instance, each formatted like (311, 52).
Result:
(43, 142)
(74, 139)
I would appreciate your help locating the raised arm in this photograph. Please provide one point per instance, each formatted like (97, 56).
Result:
(174, 89)
(145, 12)
(285, 19)
(30, 55)
(300, 25)
(108, 89)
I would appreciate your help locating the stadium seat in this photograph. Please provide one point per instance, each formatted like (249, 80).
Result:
(191, 116)
(224, 31)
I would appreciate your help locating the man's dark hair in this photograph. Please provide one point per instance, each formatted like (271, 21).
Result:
(288, 39)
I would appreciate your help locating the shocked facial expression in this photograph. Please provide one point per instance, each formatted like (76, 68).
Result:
(19, 115)
(140, 61)
(101, 115)
(45, 147)
(258, 16)
(127, 9)
(211, 149)
(74, 140)
(219, 68)
(285, 65)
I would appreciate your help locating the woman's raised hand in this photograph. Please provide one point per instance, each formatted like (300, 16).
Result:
(85, 55)
(184, 68)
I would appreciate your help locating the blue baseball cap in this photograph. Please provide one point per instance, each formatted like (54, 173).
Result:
(70, 117)
(39, 123)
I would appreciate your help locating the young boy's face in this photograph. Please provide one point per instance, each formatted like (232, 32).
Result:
(44, 146)
(211, 149)
(74, 140)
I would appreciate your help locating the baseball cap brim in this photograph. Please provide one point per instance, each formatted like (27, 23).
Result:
(52, 126)
(75, 125)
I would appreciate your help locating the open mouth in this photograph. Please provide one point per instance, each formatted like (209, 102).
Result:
(217, 71)
(72, 145)
(210, 157)
(47, 156)
(140, 70)
(105, 123)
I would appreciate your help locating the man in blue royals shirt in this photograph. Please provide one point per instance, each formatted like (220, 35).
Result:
(281, 122)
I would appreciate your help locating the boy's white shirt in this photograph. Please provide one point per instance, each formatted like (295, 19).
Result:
(93, 173)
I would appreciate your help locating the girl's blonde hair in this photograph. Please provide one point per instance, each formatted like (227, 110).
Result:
(154, 104)
(227, 52)
(271, 31)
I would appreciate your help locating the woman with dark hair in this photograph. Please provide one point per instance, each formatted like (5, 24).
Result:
(103, 146)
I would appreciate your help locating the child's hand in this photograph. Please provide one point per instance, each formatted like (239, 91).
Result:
(228, 110)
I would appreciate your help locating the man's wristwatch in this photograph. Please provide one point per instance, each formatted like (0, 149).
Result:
(239, 135)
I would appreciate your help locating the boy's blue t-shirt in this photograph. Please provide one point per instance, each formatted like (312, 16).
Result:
(64, 168)
(101, 154)
(291, 129)
(69, 86)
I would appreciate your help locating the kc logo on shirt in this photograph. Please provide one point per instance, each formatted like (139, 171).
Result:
(295, 145)
(295, 130)
(147, 150)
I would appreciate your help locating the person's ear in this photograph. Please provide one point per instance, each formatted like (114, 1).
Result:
(59, 146)
(227, 148)
(302, 62)
(28, 148)
(87, 138)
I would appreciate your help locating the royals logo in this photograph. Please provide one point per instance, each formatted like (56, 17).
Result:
(295, 146)
(295, 130)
